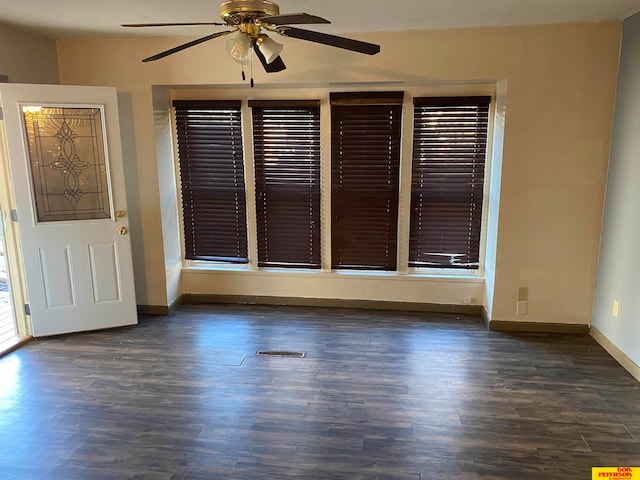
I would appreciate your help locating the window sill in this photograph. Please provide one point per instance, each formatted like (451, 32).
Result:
(356, 274)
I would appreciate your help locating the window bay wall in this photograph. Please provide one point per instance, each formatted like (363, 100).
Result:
(365, 196)
(558, 84)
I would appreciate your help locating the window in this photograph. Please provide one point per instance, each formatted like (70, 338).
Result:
(212, 180)
(365, 164)
(286, 147)
(449, 149)
(441, 227)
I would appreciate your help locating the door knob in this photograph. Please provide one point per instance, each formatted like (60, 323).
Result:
(122, 230)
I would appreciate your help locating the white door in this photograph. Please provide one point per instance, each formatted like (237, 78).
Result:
(65, 155)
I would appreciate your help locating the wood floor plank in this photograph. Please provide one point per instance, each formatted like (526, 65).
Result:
(378, 395)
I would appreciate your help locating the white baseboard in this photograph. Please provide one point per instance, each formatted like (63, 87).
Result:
(628, 364)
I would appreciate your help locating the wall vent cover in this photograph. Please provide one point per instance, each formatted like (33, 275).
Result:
(279, 353)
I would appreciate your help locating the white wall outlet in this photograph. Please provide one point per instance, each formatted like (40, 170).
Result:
(522, 305)
(615, 308)
(523, 294)
(468, 300)
(522, 308)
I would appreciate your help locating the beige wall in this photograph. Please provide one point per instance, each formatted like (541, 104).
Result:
(559, 82)
(26, 57)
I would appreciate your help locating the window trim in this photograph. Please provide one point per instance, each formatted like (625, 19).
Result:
(387, 110)
(311, 193)
(481, 105)
(322, 92)
(187, 109)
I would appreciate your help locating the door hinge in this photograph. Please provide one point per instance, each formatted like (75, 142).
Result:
(27, 309)
(14, 215)
(1, 114)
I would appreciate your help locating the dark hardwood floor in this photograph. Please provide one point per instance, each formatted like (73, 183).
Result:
(379, 395)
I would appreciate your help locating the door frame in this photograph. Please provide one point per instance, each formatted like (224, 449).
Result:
(13, 252)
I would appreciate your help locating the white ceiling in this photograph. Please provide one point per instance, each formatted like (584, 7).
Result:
(75, 18)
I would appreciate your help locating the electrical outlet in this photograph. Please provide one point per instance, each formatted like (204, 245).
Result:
(468, 300)
(523, 294)
(615, 308)
(522, 308)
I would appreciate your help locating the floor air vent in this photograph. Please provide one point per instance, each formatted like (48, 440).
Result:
(279, 353)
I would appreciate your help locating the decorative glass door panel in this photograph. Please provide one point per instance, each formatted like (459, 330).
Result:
(66, 148)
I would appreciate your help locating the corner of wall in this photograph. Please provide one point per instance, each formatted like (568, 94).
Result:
(497, 146)
(168, 192)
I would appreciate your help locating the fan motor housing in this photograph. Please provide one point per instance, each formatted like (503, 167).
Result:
(233, 12)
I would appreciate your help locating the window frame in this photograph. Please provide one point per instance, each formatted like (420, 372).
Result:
(187, 109)
(322, 92)
(313, 250)
(465, 107)
(382, 111)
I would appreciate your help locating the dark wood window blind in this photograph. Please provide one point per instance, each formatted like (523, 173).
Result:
(365, 163)
(449, 150)
(212, 178)
(286, 148)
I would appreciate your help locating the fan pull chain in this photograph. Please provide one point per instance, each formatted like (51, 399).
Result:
(251, 66)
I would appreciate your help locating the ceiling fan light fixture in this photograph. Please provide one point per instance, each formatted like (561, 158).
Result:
(246, 19)
(238, 47)
(269, 48)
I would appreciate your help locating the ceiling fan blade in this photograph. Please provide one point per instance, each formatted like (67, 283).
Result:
(293, 19)
(331, 40)
(170, 24)
(276, 65)
(185, 45)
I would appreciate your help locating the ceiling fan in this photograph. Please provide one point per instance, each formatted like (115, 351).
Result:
(248, 20)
